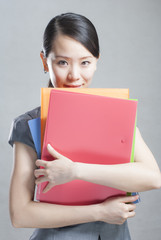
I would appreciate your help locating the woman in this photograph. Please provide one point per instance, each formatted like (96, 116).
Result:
(70, 54)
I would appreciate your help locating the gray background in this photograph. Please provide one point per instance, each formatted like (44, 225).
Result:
(130, 40)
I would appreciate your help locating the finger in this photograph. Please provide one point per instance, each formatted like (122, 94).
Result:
(131, 214)
(39, 172)
(129, 199)
(41, 163)
(53, 152)
(41, 179)
(131, 207)
(48, 187)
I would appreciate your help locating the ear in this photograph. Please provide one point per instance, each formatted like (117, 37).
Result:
(96, 63)
(44, 61)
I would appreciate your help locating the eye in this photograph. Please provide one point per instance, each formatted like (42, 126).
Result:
(85, 63)
(62, 63)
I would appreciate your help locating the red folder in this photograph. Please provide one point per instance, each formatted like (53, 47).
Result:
(45, 96)
(89, 129)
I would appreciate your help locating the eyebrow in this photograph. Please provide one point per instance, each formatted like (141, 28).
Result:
(59, 56)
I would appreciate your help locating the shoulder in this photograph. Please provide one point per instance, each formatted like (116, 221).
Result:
(20, 130)
(21, 122)
(34, 113)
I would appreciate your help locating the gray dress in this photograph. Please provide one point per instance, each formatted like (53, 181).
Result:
(87, 231)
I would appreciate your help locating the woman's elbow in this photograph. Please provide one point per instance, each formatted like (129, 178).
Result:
(16, 220)
(14, 224)
(158, 185)
(157, 181)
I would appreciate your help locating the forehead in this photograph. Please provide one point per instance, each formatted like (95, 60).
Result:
(64, 45)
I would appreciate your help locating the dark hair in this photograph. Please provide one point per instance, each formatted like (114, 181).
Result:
(75, 26)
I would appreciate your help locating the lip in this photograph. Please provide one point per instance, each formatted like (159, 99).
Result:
(73, 86)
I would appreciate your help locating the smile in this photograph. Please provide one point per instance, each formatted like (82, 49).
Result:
(73, 86)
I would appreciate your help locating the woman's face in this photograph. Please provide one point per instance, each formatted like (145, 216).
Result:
(70, 64)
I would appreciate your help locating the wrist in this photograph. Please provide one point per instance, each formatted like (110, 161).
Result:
(77, 170)
(99, 212)
(96, 212)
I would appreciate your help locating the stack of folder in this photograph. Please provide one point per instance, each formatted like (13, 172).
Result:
(94, 126)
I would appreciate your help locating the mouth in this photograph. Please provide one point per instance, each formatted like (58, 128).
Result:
(73, 86)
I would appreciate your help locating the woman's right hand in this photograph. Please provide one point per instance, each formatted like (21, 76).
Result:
(116, 210)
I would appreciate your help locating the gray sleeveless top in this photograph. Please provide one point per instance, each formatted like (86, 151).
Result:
(87, 231)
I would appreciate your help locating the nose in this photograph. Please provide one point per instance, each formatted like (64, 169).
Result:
(74, 73)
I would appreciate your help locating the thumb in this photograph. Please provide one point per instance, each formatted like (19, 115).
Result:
(48, 187)
(53, 152)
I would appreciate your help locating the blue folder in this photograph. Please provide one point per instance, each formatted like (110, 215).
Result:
(35, 129)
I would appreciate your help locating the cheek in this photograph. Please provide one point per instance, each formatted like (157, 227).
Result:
(59, 74)
(88, 73)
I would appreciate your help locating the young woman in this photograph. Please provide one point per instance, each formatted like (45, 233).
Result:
(70, 54)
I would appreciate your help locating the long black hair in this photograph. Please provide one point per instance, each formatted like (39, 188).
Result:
(75, 26)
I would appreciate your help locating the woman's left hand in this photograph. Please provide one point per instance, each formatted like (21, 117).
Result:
(59, 171)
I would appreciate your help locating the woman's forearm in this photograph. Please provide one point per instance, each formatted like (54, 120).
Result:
(130, 177)
(142, 175)
(44, 215)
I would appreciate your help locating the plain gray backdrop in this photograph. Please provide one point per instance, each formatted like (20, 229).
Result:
(130, 41)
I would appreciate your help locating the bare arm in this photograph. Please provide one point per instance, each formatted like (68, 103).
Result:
(25, 212)
(141, 175)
